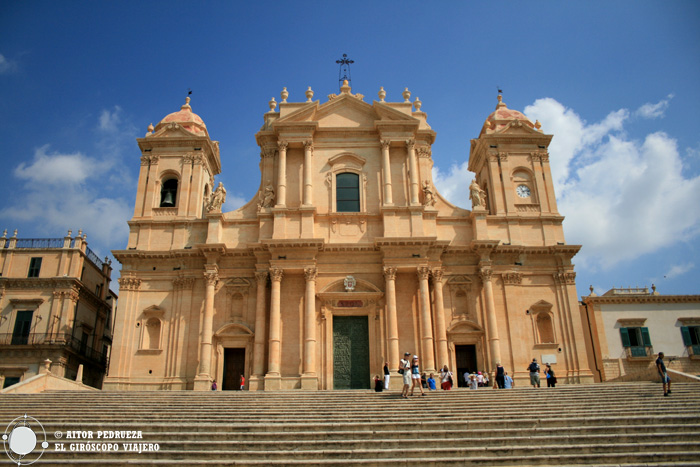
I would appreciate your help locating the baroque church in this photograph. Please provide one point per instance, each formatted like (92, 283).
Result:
(346, 258)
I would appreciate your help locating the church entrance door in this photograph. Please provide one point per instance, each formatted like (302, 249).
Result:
(351, 352)
(466, 361)
(234, 367)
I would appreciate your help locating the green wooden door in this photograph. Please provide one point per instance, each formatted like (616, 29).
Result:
(351, 352)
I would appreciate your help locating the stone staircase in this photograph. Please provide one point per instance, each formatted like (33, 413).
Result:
(603, 424)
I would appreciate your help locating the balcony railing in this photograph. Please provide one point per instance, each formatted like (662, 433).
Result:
(639, 351)
(41, 339)
(41, 243)
(93, 257)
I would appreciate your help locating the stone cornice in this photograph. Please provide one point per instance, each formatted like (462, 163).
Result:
(641, 299)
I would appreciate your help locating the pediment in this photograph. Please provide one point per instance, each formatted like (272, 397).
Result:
(154, 311)
(459, 280)
(304, 114)
(361, 286)
(464, 326)
(516, 127)
(347, 116)
(172, 130)
(541, 304)
(386, 113)
(233, 329)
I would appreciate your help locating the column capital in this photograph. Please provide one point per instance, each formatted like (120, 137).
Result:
(389, 272)
(411, 144)
(437, 274)
(385, 143)
(423, 272)
(485, 274)
(282, 145)
(261, 276)
(309, 144)
(310, 274)
(212, 277)
(276, 274)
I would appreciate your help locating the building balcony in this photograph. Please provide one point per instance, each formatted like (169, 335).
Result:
(45, 341)
(639, 352)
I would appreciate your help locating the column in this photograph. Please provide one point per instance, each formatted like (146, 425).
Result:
(485, 274)
(308, 183)
(425, 321)
(413, 169)
(212, 278)
(386, 169)
(440, 318)
(273, 365)
(391, 319)
(310, 322)
(259, 342)
(282, 175)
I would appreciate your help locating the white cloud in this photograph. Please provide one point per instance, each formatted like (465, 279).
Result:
(7, 66)
(56, 168)
(679, 270)
(110, 121)
(233, 202)
(657, 110)
(454, 184)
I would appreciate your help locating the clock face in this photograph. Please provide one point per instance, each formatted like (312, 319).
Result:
(523, 191)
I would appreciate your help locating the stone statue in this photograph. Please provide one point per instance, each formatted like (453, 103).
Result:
(428, 196)
(477, 195)
(267, 196)
(217, 199)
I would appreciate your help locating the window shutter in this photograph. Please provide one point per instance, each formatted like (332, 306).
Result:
(645, 337)
(685, 332)
(625, 337)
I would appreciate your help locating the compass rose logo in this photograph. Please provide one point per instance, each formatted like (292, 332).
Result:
(21, 439)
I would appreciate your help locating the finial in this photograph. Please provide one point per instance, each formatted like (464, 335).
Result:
(187, 104)
(80, 232)
(406, 95)
(381, 94)
(309, 94)
(417, 104)
(345, 88)
(538, 125)
(70, 232)
(344, 71)
(592, 294)
(653, 290)
(284, 95)
(500, 102)
(272, 104)
(4, 233)
(150, 129)
(14, 234)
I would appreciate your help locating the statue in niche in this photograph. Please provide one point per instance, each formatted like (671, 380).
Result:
(217, 199)
(428, 196)
(267, 196)
(477, 195)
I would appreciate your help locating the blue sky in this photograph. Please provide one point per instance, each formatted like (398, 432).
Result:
(615, 82)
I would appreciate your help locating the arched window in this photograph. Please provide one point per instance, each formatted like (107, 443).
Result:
(168, 193)
(347, 192)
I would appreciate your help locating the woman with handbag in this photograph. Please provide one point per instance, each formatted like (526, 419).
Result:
(551, 379)
(445, 378)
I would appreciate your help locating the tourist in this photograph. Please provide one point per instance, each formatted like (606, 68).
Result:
(534, 369)
(473, 381)
(486, 380)
(480, 379)
(415, 375)
(466, 378)
(378, 384)
(549, 373)
(500, 376)
(423, 380)
(242, 382)
(387, 375)
(508, 381)
(213, 386)
(445, 378)
(665, 380)
(431, 383)
(405, 370)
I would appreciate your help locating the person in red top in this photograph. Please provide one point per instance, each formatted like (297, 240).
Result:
(242, 382)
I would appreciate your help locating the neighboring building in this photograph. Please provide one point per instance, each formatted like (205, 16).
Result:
(55, 304)
(347, 257)
(630, 326)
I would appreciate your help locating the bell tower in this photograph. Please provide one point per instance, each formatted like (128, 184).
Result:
(178, 165)
(511, 164)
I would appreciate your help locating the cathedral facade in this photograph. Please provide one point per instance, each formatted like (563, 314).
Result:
(346, 258)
